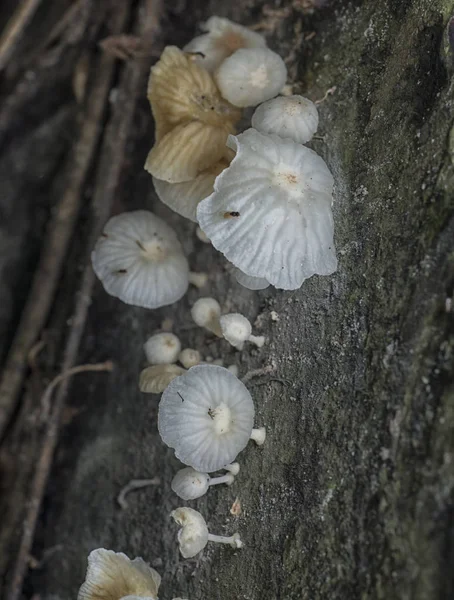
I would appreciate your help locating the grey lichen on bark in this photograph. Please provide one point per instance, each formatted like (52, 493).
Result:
(352, 494)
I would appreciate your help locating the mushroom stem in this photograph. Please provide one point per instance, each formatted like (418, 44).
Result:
(214, 326)
(259, 436)
(258, 340)
(234, 540)
(234, 468)
(198, 279)
(228, 479)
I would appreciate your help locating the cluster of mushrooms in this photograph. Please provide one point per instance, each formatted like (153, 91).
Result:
(262, 199)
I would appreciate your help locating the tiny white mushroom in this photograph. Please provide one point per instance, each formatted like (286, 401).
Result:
(234, 369)
(237, 329)
(222, 39)
(270, 213)
(206, 313)
(259, 436)
(114, 576)
(194, 535)
(155, 379)
(202, 236)
(139, 260)
(189, 484)
(292, 117)
(234, 468)
(198, 280)
(207, 416)
(189, 358)
(251, 76)
(162, 348)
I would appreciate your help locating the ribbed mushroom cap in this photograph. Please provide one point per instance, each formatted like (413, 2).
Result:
(222, 39)
(292, 117)
(207, 416)
(193, 536)
(270, 213)
(139, 260)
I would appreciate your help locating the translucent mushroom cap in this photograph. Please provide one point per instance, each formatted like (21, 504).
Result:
(251, 283)
(292, 117)
(113, 576)
(207, 416)
(270, 213)
(222, 39)
(251, 76)
(162, 348)
(236, 328)
(193, 536)
(139, 260)
(189, 484)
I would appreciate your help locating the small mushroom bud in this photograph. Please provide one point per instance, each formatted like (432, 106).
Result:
(189, 358)
(259, 436)
(237, 329)
(198, 280)
(155, 379)
(194, 535)
(162, 348)
(206, 313)
(189, 484)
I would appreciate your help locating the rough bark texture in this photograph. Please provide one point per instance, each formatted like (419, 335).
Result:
(352, 495)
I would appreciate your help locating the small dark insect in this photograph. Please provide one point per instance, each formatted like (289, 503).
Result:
(229, 215)
(182, 399)
(122, 271)
(211, 413)
(140, 245)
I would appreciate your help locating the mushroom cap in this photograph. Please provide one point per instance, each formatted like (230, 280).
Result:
(189, 357)
(155, 379)
(251, 76)
(204, 310)
(139, 260)
(112, 575)
(190, 484)
(207, 416)
(251, 283)
(270, 213)
(184, 197)
(290, 117)
(193, 537)
(236, 329)
(162, 348)
(223, 37)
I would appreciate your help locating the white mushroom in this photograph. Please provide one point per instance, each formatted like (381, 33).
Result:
(113, 576)
(194, 535)
(251, 283)
(237, 329)
(270, 213)
(207, 416)
(205, 313)
(162, 348)
(189, 358)
(198, 280)
(222, 39)
(292, 117)
(251, 76)
(189, 484)
(139, 259)
(155, 379)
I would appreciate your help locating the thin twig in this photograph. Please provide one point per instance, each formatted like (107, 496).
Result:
(13, 31)
(60, 231)
(46, 397)
(134, 484)
(108, 175)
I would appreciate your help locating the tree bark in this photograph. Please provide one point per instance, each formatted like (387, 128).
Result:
(352, 495)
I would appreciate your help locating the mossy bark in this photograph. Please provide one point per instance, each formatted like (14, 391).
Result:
(352, 494)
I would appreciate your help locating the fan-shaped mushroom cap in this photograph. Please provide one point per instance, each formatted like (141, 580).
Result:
(193, 536)
(192, 119)
(155, 379)
(113, 576)
(139, 260)
(222, 39)
(292, 117)
(251, 76)
(270, 213)
(207, 416)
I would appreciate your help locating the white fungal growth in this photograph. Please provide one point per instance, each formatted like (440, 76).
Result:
(155, 379)
(139, 260)
(162, 348)
(207, 416)
(259, 436)
(237, 329)
(189, 358)
(270, 213)
(205, 313)
(112, 575)
(292, 117)
(251, 76)
(189, 484)
(193, 535)
(222, 39)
